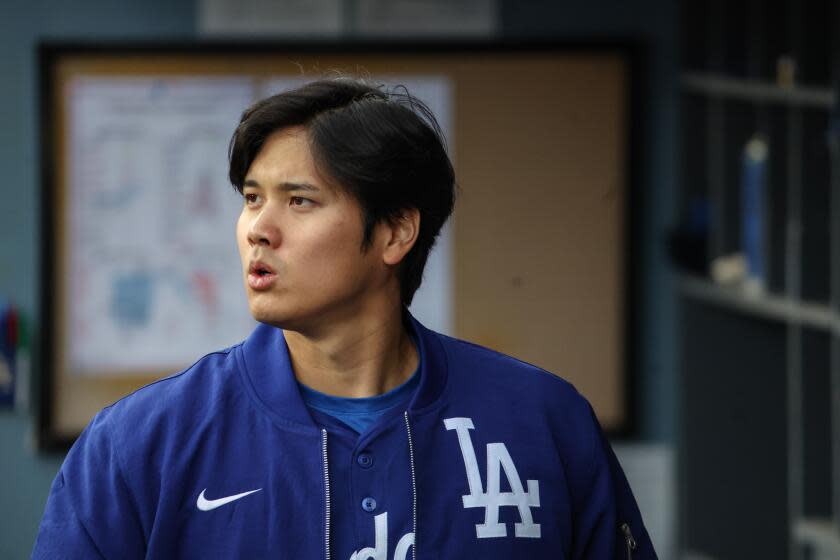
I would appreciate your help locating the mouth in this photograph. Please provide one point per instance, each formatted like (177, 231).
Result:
(257, 267)
(260, 276)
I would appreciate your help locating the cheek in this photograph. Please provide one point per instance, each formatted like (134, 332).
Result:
(328, 255)
(336, 251)
(242, 235)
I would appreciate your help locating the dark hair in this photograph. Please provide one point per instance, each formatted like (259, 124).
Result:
(384, 147)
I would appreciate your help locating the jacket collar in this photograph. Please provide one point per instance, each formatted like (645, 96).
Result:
(268, 367)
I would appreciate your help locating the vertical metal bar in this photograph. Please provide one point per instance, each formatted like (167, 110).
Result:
(757, 53)
(716, 147)
(755, 38)
(715, 137)
(834, 302)
(834, 256)
(793, 273)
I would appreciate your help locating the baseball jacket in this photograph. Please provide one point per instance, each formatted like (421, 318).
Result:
(492, 458)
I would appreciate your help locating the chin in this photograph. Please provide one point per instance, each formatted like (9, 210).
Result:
(270, 316)
(287, 313)
(276, 316)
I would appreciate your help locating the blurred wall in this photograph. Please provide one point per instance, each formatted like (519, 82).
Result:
(655, 25)
(26, 477)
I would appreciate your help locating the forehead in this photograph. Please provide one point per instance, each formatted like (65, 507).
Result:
(286, 156)
(283, 150)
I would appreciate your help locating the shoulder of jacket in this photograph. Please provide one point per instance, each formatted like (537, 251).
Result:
(175, 394)
(142, 429)
(526, 391)
(465, 356)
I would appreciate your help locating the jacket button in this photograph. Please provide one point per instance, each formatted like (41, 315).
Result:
(365, 460)
(368, 504)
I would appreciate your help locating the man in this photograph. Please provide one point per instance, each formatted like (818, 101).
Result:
(342, 428)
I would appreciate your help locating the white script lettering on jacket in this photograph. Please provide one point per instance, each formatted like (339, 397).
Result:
(498, 459)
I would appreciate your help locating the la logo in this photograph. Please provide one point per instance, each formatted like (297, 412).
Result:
(498, 459)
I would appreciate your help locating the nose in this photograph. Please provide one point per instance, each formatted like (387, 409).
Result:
(263, 230)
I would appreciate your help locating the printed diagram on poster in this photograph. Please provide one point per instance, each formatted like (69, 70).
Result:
(153, 273)
(154, 277)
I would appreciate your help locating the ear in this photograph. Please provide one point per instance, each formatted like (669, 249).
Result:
(402, 233)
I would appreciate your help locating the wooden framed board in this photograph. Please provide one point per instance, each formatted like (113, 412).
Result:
(535, 262)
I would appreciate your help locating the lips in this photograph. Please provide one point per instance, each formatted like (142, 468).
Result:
(260, 276)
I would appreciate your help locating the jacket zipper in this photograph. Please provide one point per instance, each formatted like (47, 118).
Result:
(326, 493)
(413, 487)
(325, 460)
(629, 540)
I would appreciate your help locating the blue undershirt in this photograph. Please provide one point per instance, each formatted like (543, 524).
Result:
(360, 414)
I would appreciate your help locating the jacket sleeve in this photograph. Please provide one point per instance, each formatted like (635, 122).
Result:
(608, 523)
(90, 512)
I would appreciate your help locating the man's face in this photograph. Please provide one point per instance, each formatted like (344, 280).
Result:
(300, 241)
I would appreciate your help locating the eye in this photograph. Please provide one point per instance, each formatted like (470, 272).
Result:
(300, 202)
(250, 198)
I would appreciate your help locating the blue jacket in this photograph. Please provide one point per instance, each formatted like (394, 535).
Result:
(492, 458)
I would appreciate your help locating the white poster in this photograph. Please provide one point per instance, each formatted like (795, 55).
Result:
(433, 303)
(154, 278)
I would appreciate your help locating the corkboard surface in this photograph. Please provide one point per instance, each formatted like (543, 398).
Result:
(539, 144)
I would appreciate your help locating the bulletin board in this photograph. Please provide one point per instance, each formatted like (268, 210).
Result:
(134, 156)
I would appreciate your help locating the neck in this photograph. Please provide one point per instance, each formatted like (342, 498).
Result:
(367, 356)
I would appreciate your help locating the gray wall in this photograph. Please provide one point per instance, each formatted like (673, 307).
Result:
(26, 476)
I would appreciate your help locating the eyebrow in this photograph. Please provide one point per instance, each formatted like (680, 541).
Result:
(285, 186)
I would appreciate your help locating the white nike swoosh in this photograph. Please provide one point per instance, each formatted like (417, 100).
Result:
(206, 505)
